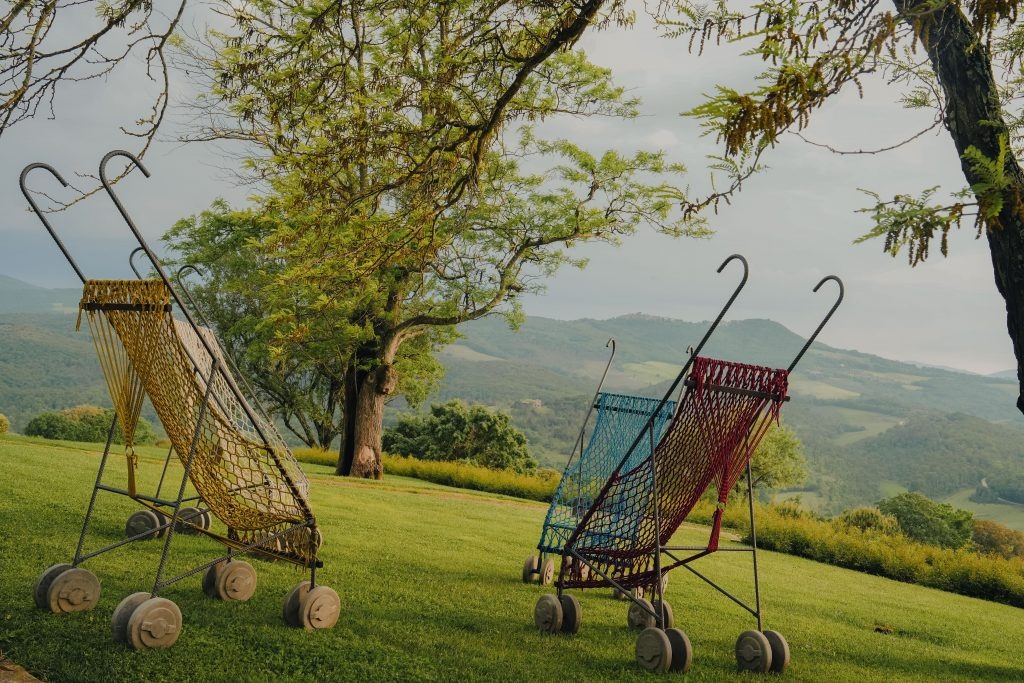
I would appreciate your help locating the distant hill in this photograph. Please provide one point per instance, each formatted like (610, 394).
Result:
(854, 411)
(870, 425)
(21, 297)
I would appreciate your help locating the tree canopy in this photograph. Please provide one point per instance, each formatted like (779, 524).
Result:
(409, 188)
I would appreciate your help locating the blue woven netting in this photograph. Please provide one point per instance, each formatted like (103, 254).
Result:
(619, 419)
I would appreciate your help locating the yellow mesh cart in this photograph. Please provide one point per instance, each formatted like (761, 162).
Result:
(243, 473)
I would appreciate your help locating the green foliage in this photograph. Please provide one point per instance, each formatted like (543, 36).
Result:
(876, 552)
(5, 424)
(929, 522)
(456, 432)
(85, 423)
(865, 519)
(997, 539)
(779, 460)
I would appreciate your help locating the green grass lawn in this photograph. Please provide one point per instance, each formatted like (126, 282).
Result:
(429, 582)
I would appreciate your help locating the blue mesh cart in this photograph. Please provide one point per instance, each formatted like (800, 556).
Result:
(619, 420)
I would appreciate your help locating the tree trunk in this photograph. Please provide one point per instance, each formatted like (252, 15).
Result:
(974, 118)
(347, 445)
(369, 422)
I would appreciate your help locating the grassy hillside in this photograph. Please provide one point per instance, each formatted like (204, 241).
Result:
(428, 578)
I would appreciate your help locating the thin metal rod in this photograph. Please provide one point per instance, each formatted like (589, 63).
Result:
(95, 489)
(160, 502)
(668, 394)
(184, 478)
(753, 546)
(292, 487)
(657, 535)
(231, 553)
(206, 321)
(721, 590)
(163, 473)
(49, 228)
(810, 340)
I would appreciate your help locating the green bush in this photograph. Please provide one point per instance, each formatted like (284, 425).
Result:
(926, 521)
(454, 431)
(85, 423)
(868, 519)
(894, 556)
(5, 424)
(996, 539)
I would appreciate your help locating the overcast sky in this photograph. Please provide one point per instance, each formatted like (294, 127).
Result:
(795, 223)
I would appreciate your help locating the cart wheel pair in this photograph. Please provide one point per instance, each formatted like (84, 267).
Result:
(762, 652)
(558, 614)
(664, 650)
(230, 580)
(641, 614)
(311, 609)
(144, 622)
(63, 588)
(147, 524)
(533, 571)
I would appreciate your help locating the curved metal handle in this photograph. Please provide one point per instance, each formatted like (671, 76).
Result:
(131, 262)
(728, 304)
(49, 228)
(810, 340)
(188, 295)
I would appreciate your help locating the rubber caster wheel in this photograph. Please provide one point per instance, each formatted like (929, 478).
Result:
(319, 608)
(207, 520)
(547, 614)
(210, 578)
(290, 610)
(154, 624)
(73, 590)
(123, 614)
(780, 651)
(189, 522)
(530, 569)
(668, 615)
(640, 618)
(236, 581)
(753, 652)
(144, 524)
(682, 650)
(654, 650)
(547, 572)
(572, 614)
(42, 586)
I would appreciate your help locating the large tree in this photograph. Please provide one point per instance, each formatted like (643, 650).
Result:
(392, 137)
(961, 58)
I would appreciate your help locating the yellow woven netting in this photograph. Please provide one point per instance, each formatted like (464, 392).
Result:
(241, 467)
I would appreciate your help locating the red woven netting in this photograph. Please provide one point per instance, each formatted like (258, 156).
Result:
(709, 441)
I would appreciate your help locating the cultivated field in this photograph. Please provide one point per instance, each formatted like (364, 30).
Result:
(429, 581)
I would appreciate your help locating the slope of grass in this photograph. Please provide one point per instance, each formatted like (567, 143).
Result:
(429, 581)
